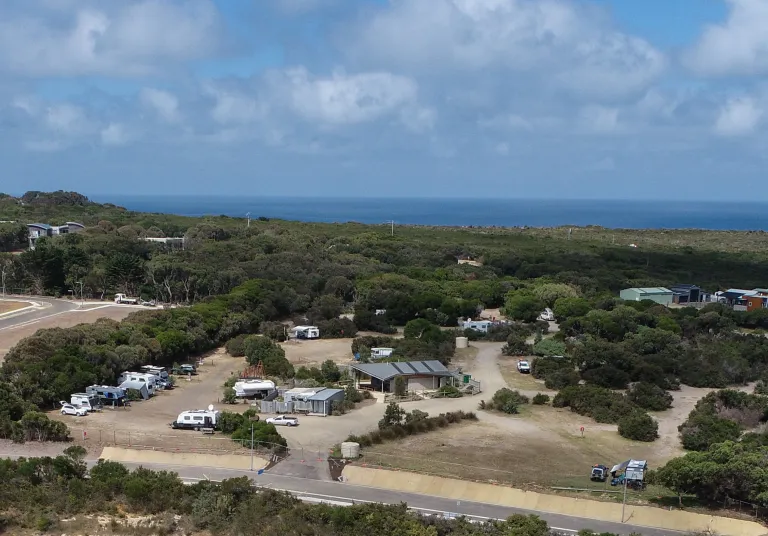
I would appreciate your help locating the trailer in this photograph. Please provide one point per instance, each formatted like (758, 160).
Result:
(197, 419)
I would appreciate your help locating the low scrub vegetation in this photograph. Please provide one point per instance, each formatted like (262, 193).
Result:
(505, 400)
(722, 416)
(540, 399)
(243, 427)
(398, 423)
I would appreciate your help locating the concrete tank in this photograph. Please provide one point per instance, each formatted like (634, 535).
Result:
(462, 342)
(350, 450)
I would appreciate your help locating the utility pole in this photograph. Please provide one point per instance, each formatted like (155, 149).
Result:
(392, 226)
(2, 276)
(624, 502)
(622, 515)
(82, 299)
(248, 218)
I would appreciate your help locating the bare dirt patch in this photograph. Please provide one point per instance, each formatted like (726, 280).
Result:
(10, 337)
(146, 423)
(464, 358)
(10, 306)
(313, 353)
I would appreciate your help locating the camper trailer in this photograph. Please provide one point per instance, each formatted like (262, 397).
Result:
(160, 372)
(197, 419)
(306, 332)
(86, 401)
(107, 395)
(254, 388)
(150, 380)
(380, 353)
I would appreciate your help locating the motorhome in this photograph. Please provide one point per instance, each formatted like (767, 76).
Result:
(306, 332)
(160, 372)
(86, 401)
(197, 419)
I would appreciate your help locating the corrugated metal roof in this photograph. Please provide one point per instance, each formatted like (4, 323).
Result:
(41, 225)
(326, 394)
(651, 290)
(385, 371)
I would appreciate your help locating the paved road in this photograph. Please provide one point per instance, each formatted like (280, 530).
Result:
(336, 492)
(48, 307)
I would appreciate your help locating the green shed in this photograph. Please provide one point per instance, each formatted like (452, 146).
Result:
(660, 295)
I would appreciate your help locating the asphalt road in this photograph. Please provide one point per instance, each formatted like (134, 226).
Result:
(345, 494)
(50, 307)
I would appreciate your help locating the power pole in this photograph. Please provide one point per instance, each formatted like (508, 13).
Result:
(248, 218)
(82, 299)
(624, 502)
(2, 276)
(622, 516)
(392, 227)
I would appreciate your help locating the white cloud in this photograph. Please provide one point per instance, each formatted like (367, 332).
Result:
(165, 104)
(124, 38)
(235, 106)
(738, 117)
(739, 46)
(600, 118)
(114, 134)
(344, 99)
(66, 119)
(550, 39)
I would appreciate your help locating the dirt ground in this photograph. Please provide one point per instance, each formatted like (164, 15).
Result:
(10, 337)
(8, 306)
(521, 382)
(313, 353)
(146, 423)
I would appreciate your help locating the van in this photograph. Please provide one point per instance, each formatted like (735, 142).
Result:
(85, 401)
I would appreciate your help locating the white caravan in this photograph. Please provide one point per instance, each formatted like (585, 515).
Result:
(197, 419)
(253, 388)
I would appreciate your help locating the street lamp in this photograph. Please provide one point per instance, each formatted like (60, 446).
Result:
(82, 300)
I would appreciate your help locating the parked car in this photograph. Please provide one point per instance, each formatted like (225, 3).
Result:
(69, 409)
(185, 369)
(283, 420)
(523, 367)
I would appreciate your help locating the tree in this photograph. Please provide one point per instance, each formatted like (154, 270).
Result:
(565, 308)
(649, 396)
(393, 415)
(549, 347)
(522, 307)
(639, 426)
(230, 397)
(271, 355)
(507, 401)
(401, 386)
(330, 371)
(550, 293)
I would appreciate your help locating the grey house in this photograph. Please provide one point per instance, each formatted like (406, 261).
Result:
(322, 402)
(419, 375)
(40, 230)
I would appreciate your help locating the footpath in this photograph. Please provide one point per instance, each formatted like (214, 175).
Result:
(647, 516)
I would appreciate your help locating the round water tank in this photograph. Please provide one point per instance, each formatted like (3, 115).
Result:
(350, 450)
(462, 342)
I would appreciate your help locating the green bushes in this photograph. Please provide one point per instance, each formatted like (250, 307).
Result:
(271, 355)
(516, 346)
(540, 399)
(601, 404)
(398, 423)
(239, 427)
(236, 345)
(639, 426)
(506, 401)
(449, 391)
(649, 396)
(722, 416)
(560, 379)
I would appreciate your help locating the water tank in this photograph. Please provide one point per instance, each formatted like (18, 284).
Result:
(350, 450)
(462, 342)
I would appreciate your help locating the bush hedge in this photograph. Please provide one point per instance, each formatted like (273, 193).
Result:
(639, 426)
(404, 426)
(505, 400)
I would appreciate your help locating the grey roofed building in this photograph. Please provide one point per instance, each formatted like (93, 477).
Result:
(419, 375)
(322, 402)
(387, 371)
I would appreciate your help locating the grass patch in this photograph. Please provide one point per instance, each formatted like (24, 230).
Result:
(521, 382)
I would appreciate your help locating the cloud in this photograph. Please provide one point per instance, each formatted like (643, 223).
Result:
(165, 104)
(738, 46)
(294, 7)
(550, 40)
(343, 99)
(115, 134)
(127, 38)
(738, 117)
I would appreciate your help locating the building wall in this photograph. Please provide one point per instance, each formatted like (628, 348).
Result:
(422, 383)
(629, 294)
(634, 295)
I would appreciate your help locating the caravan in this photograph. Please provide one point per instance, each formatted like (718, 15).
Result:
(129, 380)
(197, 419)
(89, 402)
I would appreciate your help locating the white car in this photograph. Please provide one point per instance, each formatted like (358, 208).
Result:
(283, 420)
(69, 409)
(523, 367)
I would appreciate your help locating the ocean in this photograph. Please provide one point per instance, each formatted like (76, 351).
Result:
(466, 212)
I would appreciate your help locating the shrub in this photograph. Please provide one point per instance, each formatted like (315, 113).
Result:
(541, 367)
(337, 328)
(639, 426)
(560, 379)
(540, 399)
(549, 347)
(761, 387)
(274, 330)
(649, 396)
(702, 431)
(608, 377)
(230, 397)
(449, 391)
(400, 386)
(516, 346)
(507, 401)
(601, 404)
(236, 346)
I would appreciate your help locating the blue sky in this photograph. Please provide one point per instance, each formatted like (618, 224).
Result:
(445, 98)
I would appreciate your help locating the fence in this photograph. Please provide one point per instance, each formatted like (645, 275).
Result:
(275, 406)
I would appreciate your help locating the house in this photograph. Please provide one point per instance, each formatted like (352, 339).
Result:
(41, 230)
(419, 375)
(684, 293)
(477, 325)
(661, 295)
(735, 297)
(306, 332)
(322, 402)
(301, 393)
(168, 241)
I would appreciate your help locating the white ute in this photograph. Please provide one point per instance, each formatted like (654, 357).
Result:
(283, 420)
(122, 298)
(523, 367)
(69, 409)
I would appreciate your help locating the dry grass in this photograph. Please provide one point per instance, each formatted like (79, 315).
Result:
(464, 357)
(522, 382)
(313, 353)
(8, 306)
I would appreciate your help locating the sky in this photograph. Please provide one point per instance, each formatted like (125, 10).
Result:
(565, 99)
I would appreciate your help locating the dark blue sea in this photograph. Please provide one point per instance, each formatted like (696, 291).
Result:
(466, 212)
